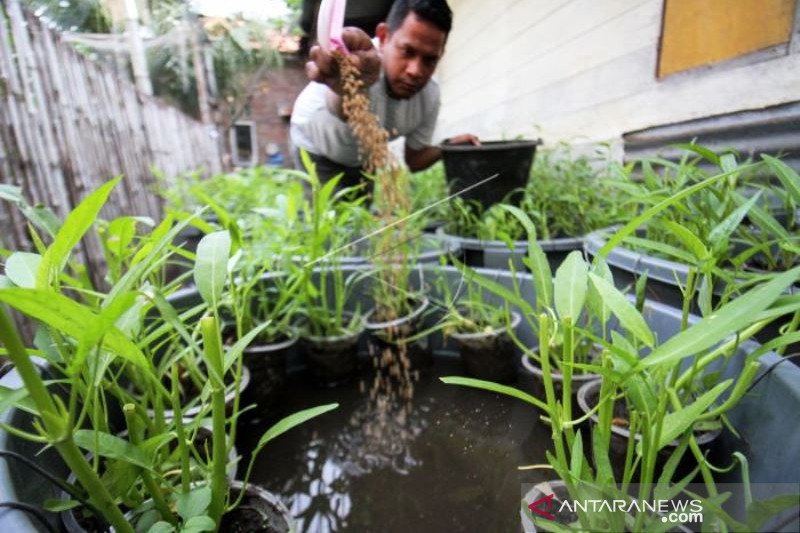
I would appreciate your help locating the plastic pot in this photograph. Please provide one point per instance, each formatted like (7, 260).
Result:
(260, 510)
(489, 355)
(267, 366)
(332, 360)
(465, 165)
(388, 334)
(496, 254)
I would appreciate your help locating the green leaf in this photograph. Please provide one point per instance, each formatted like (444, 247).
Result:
(689, 240)
(536, 260)
(21, 268)
(627, 314)
(787, 175)
(210, 270)
(730, 318)
(576, 457)
(724, 229)
(677, 423)
(495, 387)
(194, 503)
(57, 506)
(234, 352)
(16, 398)
(570, 286)
(199, 523)
(99, 328)
(162, 527)
(75, 226)
(649, 213)
(71, 319)
(107, 445)
(292, 421)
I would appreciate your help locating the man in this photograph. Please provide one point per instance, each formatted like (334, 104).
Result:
(402, 94)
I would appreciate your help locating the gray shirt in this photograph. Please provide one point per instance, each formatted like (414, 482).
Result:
(320, 132)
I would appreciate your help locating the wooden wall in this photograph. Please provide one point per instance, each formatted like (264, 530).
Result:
(67, 126)
(583, 70)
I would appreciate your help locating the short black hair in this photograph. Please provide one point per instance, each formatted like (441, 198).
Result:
(437, 12)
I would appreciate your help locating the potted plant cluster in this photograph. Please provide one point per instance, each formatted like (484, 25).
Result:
(566, 197)
(672, 395)
(122, 347)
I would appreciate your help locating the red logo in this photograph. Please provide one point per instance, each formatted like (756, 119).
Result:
(549, 499)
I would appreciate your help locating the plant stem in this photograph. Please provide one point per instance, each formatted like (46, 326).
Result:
(63, 442)
(152, 487)
(219, 481)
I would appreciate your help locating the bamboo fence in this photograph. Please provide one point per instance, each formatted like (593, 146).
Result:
(67, 126)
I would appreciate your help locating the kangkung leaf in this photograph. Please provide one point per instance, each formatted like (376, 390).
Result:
(727, 320)
(107, 445)
(211, 267)
(677, 423)
(21, 268)
(71, 319)
(71, 232)
(570, 286)
(787, 175)
(627, 314)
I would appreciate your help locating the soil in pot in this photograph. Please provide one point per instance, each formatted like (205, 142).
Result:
(259, 512)
(489, 355)
(620, 435)
(450, 465)
(332, 361)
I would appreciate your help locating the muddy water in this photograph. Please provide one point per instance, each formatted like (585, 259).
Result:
(450, 465)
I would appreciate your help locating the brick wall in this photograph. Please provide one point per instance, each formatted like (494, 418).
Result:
(271, 105)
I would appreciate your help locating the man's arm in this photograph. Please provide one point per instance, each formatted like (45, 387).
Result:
(424, 157)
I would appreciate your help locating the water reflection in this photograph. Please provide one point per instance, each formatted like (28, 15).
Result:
(378, 436)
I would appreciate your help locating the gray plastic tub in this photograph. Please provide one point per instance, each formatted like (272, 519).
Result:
(497, 254)
(767, 418)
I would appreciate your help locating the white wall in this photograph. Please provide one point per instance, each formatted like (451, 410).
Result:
(584, 71)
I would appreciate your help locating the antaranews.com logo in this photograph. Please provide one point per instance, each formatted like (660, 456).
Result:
(752, 507)
(547, 502)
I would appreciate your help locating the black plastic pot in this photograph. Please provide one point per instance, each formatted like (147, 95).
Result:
(267, 365)
(497, 254)
(466, 165)
(332, 361)
(387, 335)
(260, 510)
(489, 355)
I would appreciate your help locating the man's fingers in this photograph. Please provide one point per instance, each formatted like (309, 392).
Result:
(312, 71)
(355, 39)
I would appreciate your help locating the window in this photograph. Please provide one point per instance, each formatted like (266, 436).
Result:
(243, 143)
(705, 32)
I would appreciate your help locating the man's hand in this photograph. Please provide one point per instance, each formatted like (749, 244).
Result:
(464, 138)
(323, 67)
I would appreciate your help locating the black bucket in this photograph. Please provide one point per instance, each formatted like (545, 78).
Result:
(466, 165)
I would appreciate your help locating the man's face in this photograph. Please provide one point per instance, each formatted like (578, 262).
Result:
(410, 54)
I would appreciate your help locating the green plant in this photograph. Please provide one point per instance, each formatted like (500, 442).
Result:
(467, 310)
(94, 342)
(326, 295)
(670, 392)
